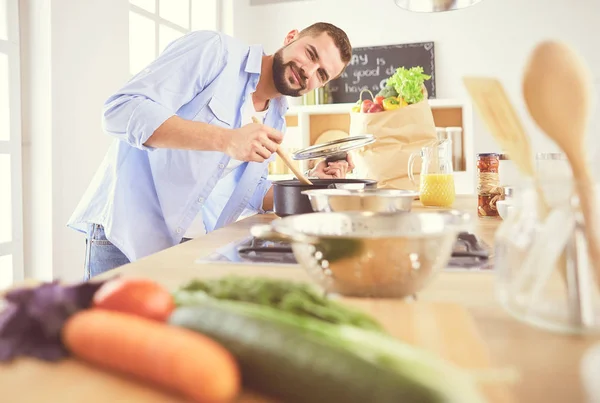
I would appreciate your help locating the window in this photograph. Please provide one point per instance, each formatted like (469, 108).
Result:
(11, 211)
(154, 24)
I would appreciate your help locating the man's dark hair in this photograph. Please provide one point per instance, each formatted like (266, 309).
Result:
(340, 39)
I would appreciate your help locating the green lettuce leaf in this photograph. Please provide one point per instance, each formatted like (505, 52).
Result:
(408, 83)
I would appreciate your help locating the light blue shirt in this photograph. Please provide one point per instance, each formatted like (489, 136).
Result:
(146, 198)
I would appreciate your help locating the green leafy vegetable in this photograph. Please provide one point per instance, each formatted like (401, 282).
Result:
(297, 298)
(387, 92)
(409, 83)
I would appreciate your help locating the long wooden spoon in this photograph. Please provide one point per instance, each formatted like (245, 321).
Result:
(288, 161)
(556, 89)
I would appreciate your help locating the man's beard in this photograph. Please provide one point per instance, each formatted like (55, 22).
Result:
(282, 84)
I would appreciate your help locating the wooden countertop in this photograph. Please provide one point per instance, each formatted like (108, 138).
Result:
(548, 362)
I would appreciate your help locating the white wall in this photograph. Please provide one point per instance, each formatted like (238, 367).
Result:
(75, 54)
(492, 38)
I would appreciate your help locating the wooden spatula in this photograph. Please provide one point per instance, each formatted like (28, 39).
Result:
(556, 87)
(287, 160)
(502, 121)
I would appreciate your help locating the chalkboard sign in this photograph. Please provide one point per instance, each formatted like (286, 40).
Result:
(370, 67)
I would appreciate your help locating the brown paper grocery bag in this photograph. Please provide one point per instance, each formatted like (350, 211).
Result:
(398, 133)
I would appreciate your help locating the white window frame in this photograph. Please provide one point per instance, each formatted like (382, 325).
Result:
(12, 147)
(158, 20)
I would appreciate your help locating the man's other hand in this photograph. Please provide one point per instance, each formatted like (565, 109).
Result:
(333, 170)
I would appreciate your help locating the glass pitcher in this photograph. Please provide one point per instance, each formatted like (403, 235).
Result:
(436, 187)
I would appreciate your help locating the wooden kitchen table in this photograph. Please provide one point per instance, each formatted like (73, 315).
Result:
(548, 363)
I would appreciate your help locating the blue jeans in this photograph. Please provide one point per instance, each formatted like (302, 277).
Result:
(100, 254)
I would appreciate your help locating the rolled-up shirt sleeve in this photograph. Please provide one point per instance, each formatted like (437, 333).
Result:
(155, 94)
(264, 184)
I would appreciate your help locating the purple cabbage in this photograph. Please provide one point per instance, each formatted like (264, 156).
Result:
(32, 318)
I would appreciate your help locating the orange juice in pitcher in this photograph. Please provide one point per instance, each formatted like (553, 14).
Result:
(437, 190)
(436, 187)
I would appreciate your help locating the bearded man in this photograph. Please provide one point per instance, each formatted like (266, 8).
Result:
(188, 157)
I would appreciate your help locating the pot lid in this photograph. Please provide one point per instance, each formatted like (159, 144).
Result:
(334, 147)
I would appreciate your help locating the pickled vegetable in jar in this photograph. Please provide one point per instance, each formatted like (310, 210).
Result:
(489, 190)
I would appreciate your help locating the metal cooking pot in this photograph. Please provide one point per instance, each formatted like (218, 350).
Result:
(365, 254)
(375, 200)
(289, 200)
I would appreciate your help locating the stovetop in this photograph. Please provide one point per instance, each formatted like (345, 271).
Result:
(469, 253)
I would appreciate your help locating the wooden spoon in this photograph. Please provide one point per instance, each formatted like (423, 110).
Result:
(556, 89)
(287, 160)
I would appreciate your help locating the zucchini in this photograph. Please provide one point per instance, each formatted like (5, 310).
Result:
(302, 360)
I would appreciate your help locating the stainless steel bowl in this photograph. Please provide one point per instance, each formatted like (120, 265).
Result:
(365, 254)
(373, 200)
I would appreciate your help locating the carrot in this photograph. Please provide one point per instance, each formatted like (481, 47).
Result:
(170, 356)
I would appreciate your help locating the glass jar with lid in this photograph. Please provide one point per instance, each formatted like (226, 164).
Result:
(455, 135)
(508, 172)
(489, 190)
(552, 166)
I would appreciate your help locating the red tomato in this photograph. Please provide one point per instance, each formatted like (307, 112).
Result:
(379, 100)
(375, 108)
(136, 296)
(366, 104)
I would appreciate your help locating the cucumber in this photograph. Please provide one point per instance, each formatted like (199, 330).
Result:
(295, 364)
